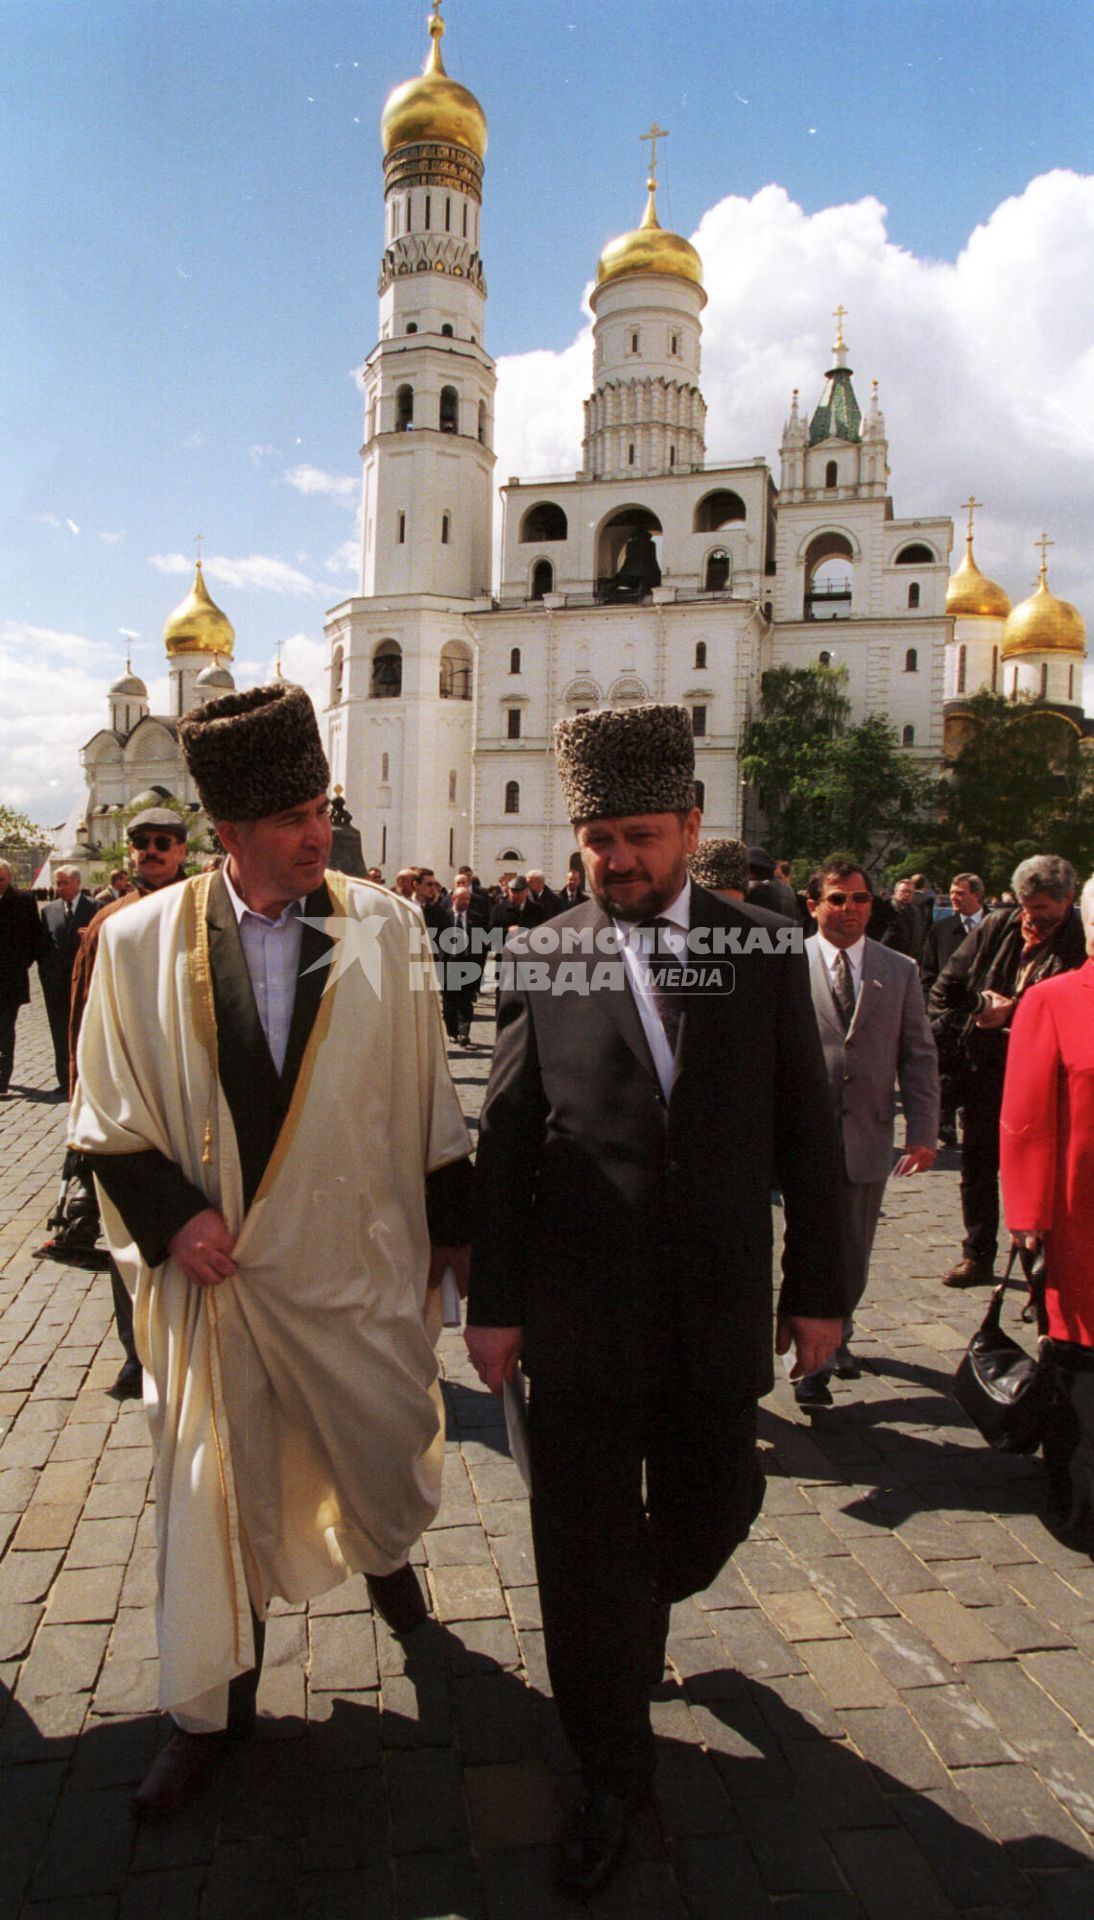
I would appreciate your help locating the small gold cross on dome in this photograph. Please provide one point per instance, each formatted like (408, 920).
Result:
(655, 134)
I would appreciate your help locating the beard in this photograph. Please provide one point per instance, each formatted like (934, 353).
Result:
(637, 906)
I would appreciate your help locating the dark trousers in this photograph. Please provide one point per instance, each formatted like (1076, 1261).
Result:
(57, 1014)
(608, 1555)
(123, 1312)
(9, 1014)
(983, 1099)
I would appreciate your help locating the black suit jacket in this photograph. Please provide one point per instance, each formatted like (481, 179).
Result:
(61, 943)
(630, 1237)
(20, 944)
(943, 939)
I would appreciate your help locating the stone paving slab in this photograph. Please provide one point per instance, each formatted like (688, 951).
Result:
(884, 1706)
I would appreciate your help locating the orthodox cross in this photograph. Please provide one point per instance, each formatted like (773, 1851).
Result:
(972, 505)
(839, 316)
(1044, 543)
(198, 540)
(655, 134)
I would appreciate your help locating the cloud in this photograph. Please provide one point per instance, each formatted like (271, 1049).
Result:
(342, 487)
(111, 539)
(56, 684)
(260, 453)
(985, 364)
(257, 570)
(346, 558)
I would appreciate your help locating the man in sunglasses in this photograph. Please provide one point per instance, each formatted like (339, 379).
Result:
(157, 852)
(874, 1032)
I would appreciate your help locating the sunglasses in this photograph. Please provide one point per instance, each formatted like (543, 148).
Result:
(163, 842)
(840, 899)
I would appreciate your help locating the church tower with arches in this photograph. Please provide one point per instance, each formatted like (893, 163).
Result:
(399, 714)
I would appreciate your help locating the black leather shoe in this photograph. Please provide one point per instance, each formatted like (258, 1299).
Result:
(177, 1773)
(129, 1384)
(846, 1366)
(593, 1843)
(813, 1392)
(398, 1599)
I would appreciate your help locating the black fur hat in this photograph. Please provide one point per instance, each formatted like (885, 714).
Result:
(618, 761)
(720, 863)
(255, 753)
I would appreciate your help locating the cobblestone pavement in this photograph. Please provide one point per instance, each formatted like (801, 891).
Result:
(883, 1707)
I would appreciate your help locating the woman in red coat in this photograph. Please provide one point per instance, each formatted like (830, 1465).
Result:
(1046, 1153)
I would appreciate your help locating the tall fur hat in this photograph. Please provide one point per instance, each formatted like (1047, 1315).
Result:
(720, 863)
(627, 760)
(255, 753)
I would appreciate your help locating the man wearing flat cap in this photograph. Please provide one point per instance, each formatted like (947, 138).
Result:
(283, 1169)
(631, 1138)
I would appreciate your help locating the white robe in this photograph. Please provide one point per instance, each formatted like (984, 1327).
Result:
(294, 1408)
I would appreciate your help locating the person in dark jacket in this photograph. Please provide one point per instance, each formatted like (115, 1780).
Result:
(20, 945)
(971, 1006)
(62, 922)
(943, 939)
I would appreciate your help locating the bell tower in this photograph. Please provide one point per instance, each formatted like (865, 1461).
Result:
(401, 662)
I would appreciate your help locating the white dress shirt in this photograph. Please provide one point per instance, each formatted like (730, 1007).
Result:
(855, 956)
(271, 949)
(637, 961)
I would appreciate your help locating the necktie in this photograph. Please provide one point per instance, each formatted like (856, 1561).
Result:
(843, 987)
(669, 1000)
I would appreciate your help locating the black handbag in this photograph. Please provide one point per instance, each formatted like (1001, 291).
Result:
(1003, 1389)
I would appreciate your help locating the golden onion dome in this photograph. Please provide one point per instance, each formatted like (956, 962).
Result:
(650, 248)
(198, 625)
(433, 108)
(970, 591)
(1044, 624)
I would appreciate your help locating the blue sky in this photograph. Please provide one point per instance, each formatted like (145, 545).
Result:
(191, 228)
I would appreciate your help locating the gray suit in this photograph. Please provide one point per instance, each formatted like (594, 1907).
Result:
(888, 1041)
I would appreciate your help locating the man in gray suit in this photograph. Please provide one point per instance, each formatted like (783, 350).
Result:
(874, 1032)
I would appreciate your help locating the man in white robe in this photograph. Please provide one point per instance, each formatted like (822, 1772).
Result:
(283, 1169)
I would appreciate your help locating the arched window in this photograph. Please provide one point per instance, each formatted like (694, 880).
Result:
(674, 344)
(630, 454)
(514, 659)
(917, 555)
(412, 326)
(907, 738)
(404, 409)
(385, 766)
(911, 661)
(828, 577)
(913, 594)
(400, 529)
(831, 474)
(455, 681)
(962, 664)
(337, 667)
(672, 456)
(450, 410)
(634, 343)
(387, 671)
(428, 209)
(512, 797)
(482, 423)
(447, 331)
(1014, 684)
(446, 528)
(1044, 680)
(544, 521)
(720, 509)
(824, 659)
(700, 794)
(700, 653)
(994, 671)
(543, 579)
(1071, 683)
(716, 577)
(452, 788)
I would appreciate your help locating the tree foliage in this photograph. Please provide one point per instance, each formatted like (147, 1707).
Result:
(17, 830)
(1022, 784)
(824, 784)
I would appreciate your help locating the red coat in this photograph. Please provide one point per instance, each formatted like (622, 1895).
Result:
(1046, 1141)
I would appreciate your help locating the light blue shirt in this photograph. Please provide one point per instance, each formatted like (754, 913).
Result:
(271, 949)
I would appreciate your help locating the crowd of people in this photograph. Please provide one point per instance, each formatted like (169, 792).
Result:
(272, 1145)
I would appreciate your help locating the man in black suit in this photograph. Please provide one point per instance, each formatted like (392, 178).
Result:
(543, 896)
(62, 920)
(520, 910)
(461, 955)
(633, 1130)
(20, 945)
(573, 893)
(943, 939)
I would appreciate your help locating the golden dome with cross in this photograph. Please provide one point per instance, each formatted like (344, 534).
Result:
(432, 108)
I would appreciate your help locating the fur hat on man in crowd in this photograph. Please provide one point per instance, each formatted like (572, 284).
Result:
(614, 762)
(720, 864)
(255, 753)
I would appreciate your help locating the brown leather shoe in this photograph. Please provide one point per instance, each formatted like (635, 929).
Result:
(177, 1773)
(398, 1598)
(970, 1273)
